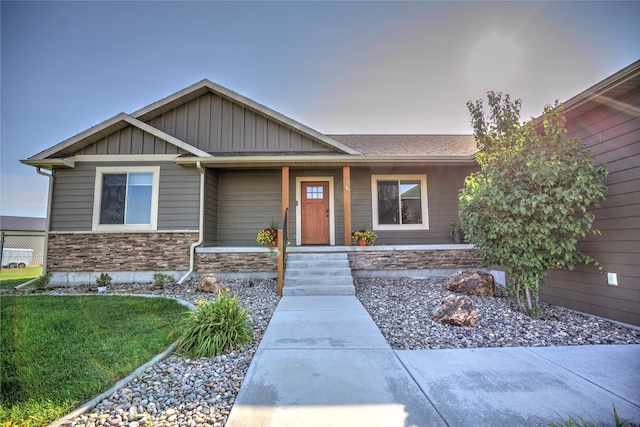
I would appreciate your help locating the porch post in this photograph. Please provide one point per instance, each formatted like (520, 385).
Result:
(346, 191)
(285, 193)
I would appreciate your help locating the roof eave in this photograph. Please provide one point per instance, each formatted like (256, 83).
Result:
(341, 160)
(67, 163)
(596, 94)
(114, 124)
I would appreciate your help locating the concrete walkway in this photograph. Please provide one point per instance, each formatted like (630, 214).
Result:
(323, 362)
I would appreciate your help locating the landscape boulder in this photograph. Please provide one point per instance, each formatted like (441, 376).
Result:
(210, 284)
(477, 283)
(456, 310)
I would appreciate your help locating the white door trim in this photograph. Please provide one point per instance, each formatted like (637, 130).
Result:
(332, 231)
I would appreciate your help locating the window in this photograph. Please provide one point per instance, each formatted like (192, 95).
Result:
(399, 202)
(126, 198)
(315, 192)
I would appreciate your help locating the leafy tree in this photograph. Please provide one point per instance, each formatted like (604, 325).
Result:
(528, 206)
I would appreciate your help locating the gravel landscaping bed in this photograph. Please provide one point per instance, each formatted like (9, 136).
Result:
(178, 391)
(401, 309)
(200, 392)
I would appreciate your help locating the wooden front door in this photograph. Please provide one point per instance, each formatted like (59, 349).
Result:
(314, 213)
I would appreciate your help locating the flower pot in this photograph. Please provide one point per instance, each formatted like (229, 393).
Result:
(362, 242)
(457, 237)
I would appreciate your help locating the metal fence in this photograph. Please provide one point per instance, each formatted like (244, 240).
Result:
(22, 256)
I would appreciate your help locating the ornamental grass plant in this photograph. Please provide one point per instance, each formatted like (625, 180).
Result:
(215, 326)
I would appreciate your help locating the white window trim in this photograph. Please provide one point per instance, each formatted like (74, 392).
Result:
(97, 198)
(423, 196)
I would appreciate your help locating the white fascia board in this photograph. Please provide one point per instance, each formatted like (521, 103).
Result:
(250, 104)
(123, 158)
(122, 117)
(346, 159)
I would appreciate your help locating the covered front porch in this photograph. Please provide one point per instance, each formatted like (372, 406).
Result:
(325, 202)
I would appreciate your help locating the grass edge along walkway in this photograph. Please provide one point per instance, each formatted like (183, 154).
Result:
(121, 332)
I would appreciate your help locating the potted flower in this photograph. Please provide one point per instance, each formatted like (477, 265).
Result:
(269, 235)
(364, 237)
(457, 233)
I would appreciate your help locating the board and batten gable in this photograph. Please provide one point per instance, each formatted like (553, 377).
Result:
(217, 125)
(612, 134)
(130, 141)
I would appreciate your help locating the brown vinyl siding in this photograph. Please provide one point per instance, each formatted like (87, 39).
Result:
(72, 207)
(210, 220)
(246, 201)
(130, 140)
(217, 125)
(614, 138)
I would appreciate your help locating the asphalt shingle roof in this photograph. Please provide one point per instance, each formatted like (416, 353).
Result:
(22, 223)
(410, 145)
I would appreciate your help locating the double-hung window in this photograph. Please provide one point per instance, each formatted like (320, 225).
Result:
(399, 202)
(126, 198)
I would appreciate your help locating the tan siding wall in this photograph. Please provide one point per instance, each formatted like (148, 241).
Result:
(443, 185)
(211, 208)
(614, 137)
(179, 198)
(130, 140)
(247, 199)
(214, 124)
(72, 207)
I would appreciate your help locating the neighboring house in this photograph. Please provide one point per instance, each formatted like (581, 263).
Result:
(21, 232)
(183, 186)
(606, 117)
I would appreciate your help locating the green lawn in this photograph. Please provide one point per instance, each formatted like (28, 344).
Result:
(57, 352)
(12, 277)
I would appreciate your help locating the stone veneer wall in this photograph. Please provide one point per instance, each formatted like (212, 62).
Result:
(371, 260)
(415, 259)
(245, 262)
(98, 252)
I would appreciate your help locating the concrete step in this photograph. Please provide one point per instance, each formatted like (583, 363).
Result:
(318, 281)
(312, 256)
(318, 290)
(300, 264)
(317, 271)
(318, 274)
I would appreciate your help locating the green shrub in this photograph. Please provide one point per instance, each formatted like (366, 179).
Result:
(215, 326)
(162, 279)
(43, 281)
(103, 280)
(581, 422)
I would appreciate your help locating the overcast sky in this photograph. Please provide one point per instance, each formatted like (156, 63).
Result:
(337, 67)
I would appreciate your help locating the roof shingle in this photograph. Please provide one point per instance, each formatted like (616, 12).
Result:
(410, 145)
(22, 223)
